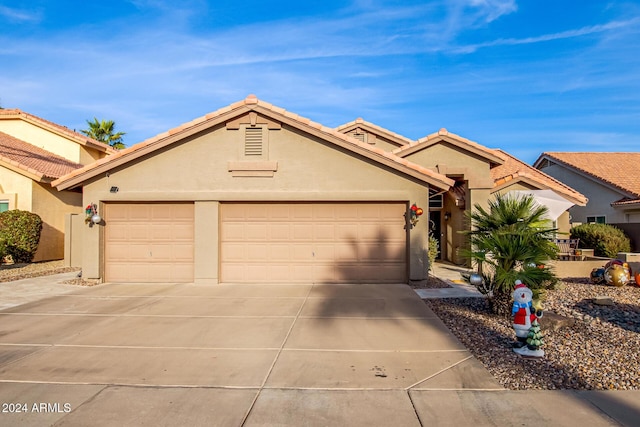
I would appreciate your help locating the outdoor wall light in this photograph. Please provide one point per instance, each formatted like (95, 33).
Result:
(91, 215)
(447, 215)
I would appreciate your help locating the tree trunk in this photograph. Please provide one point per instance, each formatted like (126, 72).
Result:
(501, 303)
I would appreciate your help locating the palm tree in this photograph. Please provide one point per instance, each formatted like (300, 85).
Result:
(103, 131)
(509, 241)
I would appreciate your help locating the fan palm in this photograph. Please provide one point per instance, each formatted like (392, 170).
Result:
(509, 241)
(104, 131)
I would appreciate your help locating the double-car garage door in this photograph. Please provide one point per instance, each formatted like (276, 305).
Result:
(260, 242)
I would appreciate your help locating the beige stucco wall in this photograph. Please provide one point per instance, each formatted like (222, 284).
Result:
(42, 138)
(600, 197)
(197, 170)
(453, 161)
(17, 187)
(52, 206)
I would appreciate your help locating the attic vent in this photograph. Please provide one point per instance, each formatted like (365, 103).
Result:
(358, 136)
(253, 141)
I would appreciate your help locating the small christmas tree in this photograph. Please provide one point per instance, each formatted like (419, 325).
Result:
(534, 342)
(535, 337)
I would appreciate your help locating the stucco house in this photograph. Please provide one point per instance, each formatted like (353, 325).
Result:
(607, 179)
(254, 193)
(34, 152)
(478, 172)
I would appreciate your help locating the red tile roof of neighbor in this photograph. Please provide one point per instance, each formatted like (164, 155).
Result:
(36, 162)
(514, 169)
(252, 103)
(615, 169)
(14, 113)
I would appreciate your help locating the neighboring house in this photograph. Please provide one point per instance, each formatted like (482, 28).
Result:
(253, 193)
(607, 179)
(34, 152)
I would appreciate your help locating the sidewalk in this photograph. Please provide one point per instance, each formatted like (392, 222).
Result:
(451, 274)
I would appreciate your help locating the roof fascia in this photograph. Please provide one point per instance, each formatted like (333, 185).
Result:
(23, 170)
(541, 186)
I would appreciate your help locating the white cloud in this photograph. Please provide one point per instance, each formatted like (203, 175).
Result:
(19, 15)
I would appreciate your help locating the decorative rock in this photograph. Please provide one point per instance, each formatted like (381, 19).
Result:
(556, 321)
(603, 300)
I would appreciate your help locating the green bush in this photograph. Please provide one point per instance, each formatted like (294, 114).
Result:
(433, 250)
(20, 230)
(3, 250)
(605, 239)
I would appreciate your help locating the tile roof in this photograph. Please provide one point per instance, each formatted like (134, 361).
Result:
(373, 128)
(8, 114)
(36, 162)
(252, 103)
(615, 169)
(444, 135)
(514, 169)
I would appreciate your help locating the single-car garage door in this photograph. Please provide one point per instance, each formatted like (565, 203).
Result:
(313, 242)
(149, 242)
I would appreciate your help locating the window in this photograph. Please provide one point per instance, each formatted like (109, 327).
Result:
(598, 219)
(4, 205)
(436, 202)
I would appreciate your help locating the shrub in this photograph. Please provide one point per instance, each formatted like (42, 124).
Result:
(433, 250)
(20, 230)
(605, 239)
(509, 242)
(3, 250)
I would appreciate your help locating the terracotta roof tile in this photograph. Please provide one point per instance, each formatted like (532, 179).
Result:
(616, 169)
(254, 103)
(35, 160)
(513, 169)
(14, 113)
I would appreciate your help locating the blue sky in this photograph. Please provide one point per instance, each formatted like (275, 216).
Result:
(525, 76)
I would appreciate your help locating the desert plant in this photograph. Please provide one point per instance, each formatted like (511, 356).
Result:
(510, 241)
(606, 240)
(20, 230)
(433, 250)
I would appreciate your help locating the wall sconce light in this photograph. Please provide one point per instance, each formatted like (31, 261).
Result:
(91, 215)
(447, 215)
(114, 189)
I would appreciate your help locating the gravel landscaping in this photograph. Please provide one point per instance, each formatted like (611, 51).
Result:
(600, 351)
(10, 272)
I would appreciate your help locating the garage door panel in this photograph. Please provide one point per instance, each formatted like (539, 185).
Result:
(279, 231)
(256, 232)
(323, 232)
(257, 253)
(149, 242)
(302, 232)
(317, 242)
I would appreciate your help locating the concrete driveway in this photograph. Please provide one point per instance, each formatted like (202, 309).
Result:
(231, 355)
(223, 355)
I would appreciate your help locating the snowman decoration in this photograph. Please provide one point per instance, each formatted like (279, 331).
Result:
(525, 322)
